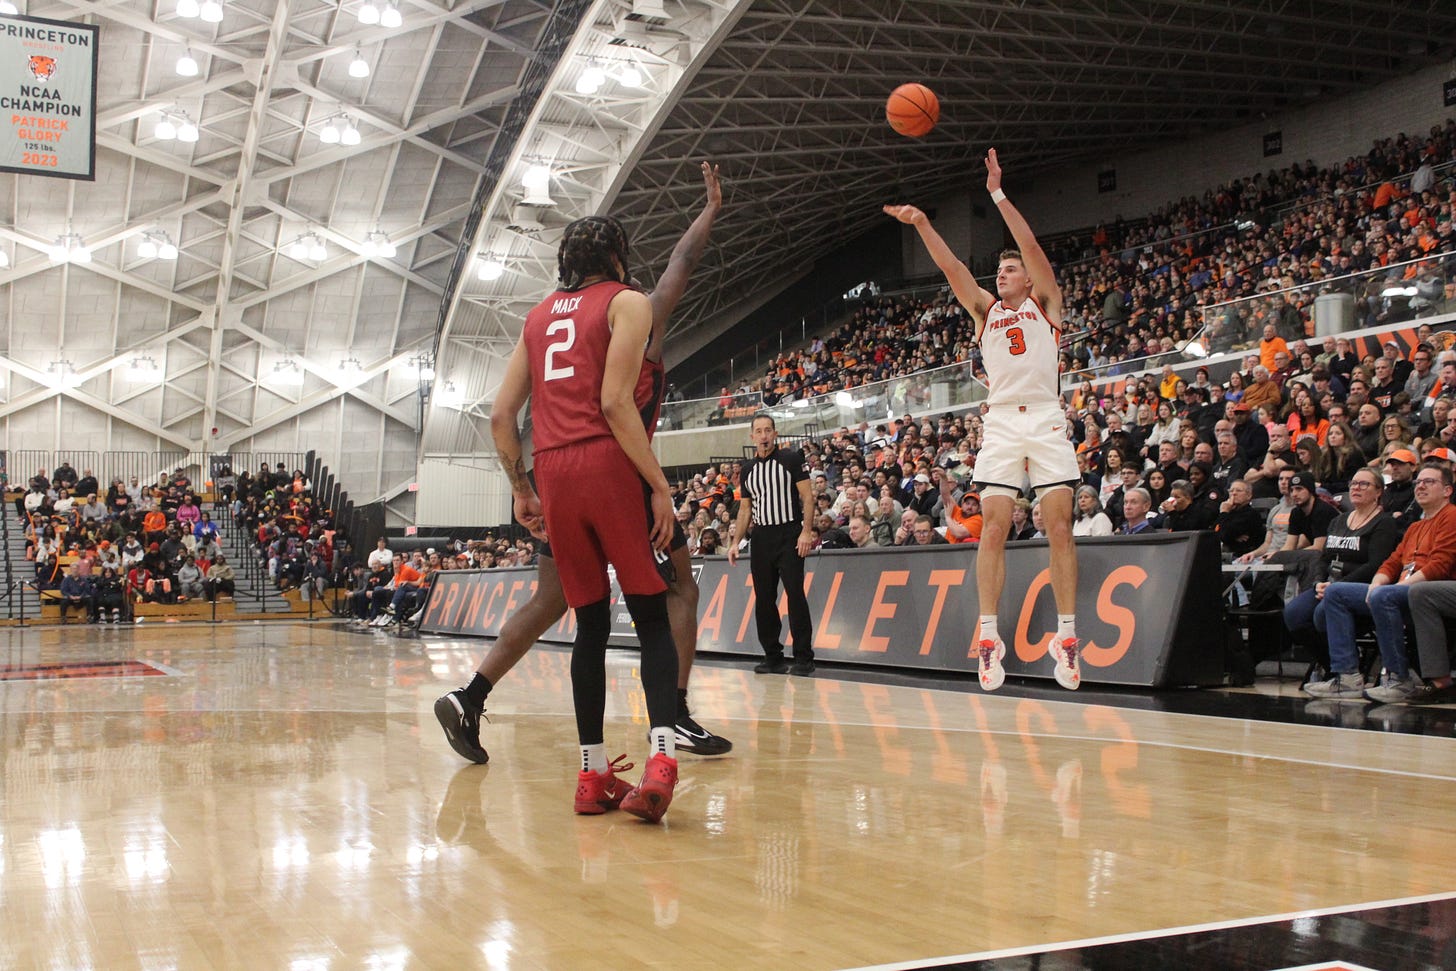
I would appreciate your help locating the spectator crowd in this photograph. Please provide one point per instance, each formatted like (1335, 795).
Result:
(1225, 261)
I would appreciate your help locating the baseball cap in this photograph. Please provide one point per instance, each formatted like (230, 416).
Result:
(1442, 454)
(1302, 480)
(1393, 344)
(971, 493)
(1402, 455)
(922, 477)
(1240, 406)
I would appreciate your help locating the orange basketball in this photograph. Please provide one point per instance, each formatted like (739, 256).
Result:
(913, 109)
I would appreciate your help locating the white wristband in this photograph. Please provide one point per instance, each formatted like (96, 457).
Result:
(998, 196)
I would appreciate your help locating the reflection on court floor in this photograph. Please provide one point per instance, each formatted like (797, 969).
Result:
(285, 799)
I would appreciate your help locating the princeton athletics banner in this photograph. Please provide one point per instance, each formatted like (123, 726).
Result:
(1149, 610)
(48, 97)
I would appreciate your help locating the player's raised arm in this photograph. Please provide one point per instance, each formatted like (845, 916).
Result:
(683, 261)
(509, 399)
(630, 317)
(1038, 267)
(976, 300)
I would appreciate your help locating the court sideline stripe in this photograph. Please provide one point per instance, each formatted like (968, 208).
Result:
(1010, 952)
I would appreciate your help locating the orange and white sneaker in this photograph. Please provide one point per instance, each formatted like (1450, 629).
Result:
(992, 673)
(653, 794)
(1068, 669)
(600, 792)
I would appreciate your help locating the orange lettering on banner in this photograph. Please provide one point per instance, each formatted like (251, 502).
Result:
(476, 600)
(1026, 650)
(784, 597)
(941, 580)
(879, 610)
(442, 604)
(511, 597)
(1130, 800)
(713, 613)
(747, 611)
(823, 640)
(489, 618)
(1115, 616)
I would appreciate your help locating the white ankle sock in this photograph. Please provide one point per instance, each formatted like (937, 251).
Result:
(594, 758)
(988, 627)
(1066, 626)
(664, 741)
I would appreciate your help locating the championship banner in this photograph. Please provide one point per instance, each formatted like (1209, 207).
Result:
(48, 97)
(1149, 610)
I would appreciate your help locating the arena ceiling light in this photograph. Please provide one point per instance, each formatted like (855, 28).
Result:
(308, 246)
(368, 13)
(591, 80)
(358, 67)
(376, 244)
(68, 248)
(390, 16)
(537, 183)
(4, 259)
(490, 268)
(187, 65)
(631, 75)
(10, 10)
(211, 11)
(156, 245)
(188, 9)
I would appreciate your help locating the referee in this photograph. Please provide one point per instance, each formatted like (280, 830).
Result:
(781, 540)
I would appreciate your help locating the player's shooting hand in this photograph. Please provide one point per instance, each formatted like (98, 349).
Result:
(993, 172)
(662, 519)
(711, 185)
(906, 214)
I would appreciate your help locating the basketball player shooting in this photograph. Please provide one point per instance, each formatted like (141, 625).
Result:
(1025, 428)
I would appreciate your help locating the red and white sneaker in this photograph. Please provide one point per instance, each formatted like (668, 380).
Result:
(653, 794)
(1068, 669)
(992, 673)
(599, 792)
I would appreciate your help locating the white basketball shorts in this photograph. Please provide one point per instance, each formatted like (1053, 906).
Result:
(1026, 443)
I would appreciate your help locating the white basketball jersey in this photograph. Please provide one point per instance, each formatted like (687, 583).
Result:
(1019, 348)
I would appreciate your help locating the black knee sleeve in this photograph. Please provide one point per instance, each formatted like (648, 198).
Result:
(589, 670)
(659, 656)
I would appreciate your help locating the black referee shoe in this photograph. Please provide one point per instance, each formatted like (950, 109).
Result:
(802, 668)
(773, 665)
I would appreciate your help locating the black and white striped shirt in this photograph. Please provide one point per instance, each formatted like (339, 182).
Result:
(772, 484)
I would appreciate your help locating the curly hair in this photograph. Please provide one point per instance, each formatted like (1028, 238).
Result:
(587, 248)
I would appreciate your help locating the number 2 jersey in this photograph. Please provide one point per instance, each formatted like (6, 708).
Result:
(1019, 349)
(566, 338)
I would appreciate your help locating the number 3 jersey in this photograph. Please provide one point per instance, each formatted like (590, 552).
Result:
(1019, 349)
(565, 338)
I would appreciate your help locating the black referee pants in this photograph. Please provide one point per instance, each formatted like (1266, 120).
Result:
(773, 556)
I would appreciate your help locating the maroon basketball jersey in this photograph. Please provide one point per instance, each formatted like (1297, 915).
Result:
(648, 395)
(566, 338)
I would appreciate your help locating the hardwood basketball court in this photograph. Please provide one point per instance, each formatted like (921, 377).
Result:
(280, 796)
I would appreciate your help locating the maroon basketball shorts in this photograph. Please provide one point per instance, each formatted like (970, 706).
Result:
(591, 495)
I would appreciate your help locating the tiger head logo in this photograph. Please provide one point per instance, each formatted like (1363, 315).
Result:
(42, 68)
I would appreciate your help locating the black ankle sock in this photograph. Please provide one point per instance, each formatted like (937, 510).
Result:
(478, 690)
(682, 703)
